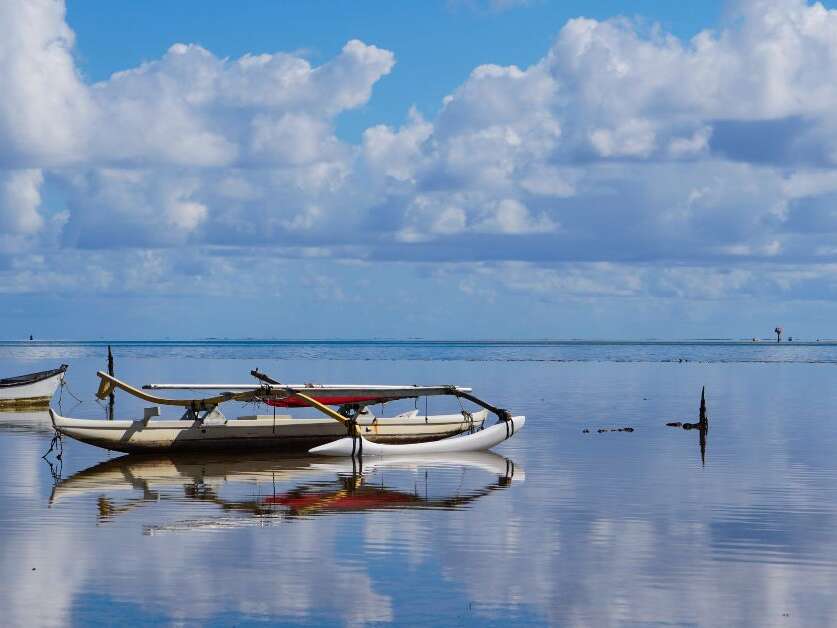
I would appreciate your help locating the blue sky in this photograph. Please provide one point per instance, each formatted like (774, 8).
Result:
(469, 169)
(437, 43)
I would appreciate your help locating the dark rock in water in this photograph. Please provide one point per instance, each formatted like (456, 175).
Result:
(603, 430)
(675, 424)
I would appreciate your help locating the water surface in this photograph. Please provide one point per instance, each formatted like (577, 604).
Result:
(557, 525)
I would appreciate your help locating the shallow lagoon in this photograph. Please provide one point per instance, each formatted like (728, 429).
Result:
(559, 526)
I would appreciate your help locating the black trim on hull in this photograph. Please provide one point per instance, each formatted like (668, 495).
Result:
(31, 378)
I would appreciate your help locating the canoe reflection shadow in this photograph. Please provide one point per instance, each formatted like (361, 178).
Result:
(269, 489)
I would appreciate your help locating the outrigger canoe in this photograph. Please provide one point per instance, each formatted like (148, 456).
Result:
(203, 426)
(32, 390)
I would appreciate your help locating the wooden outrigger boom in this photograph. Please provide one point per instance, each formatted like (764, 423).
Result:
(109, 382)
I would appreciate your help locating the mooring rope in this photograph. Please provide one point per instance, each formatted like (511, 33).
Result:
(65, 385)
(56, 444)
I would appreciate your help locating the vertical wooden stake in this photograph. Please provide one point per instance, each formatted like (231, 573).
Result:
(703, 425)
(110, 397)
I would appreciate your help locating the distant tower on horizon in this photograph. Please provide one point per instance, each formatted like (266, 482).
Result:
(778, 331)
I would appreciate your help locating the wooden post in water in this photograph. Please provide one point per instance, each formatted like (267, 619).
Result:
(703, 425)
(110, 397)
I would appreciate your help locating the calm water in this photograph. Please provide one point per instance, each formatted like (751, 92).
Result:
(557, 526)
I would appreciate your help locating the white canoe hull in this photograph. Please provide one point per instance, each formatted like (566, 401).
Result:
(257, 432)
(478, 441)
(33, 394)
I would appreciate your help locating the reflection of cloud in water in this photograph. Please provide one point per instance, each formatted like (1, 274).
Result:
(603, 571)
(46, 595)
(26, 421)
(326, 523)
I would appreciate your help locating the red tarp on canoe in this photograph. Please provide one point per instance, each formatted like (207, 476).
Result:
(330, 400)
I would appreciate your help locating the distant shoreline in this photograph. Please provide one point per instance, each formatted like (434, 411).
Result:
(413, 341)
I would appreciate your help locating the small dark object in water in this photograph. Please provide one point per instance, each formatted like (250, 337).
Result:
(603, 430)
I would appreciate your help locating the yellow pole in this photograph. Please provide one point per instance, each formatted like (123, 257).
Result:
(322, 408)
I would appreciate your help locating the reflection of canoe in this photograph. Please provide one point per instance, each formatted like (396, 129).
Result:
(142, 472)
(313, 490)
(281, 433)
(30, 390)
(158, 472)
(477, 441)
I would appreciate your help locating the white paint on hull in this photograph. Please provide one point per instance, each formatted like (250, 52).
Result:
(281, 432)
(43, 389)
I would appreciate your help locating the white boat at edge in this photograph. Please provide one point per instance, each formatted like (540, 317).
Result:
(282, 432)
(32, 389)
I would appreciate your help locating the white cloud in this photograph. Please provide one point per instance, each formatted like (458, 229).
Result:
(397, 154)
(622, 145)
(511, 217)
(44, 106)
(20, 199)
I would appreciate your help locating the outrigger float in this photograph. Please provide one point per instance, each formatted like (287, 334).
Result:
(203, 426)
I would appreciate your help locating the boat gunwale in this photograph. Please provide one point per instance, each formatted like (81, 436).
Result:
(28, 379)
(59, 422)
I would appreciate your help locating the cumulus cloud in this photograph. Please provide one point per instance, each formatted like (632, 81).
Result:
(622, 145)
(44, 107)
(20, 199)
